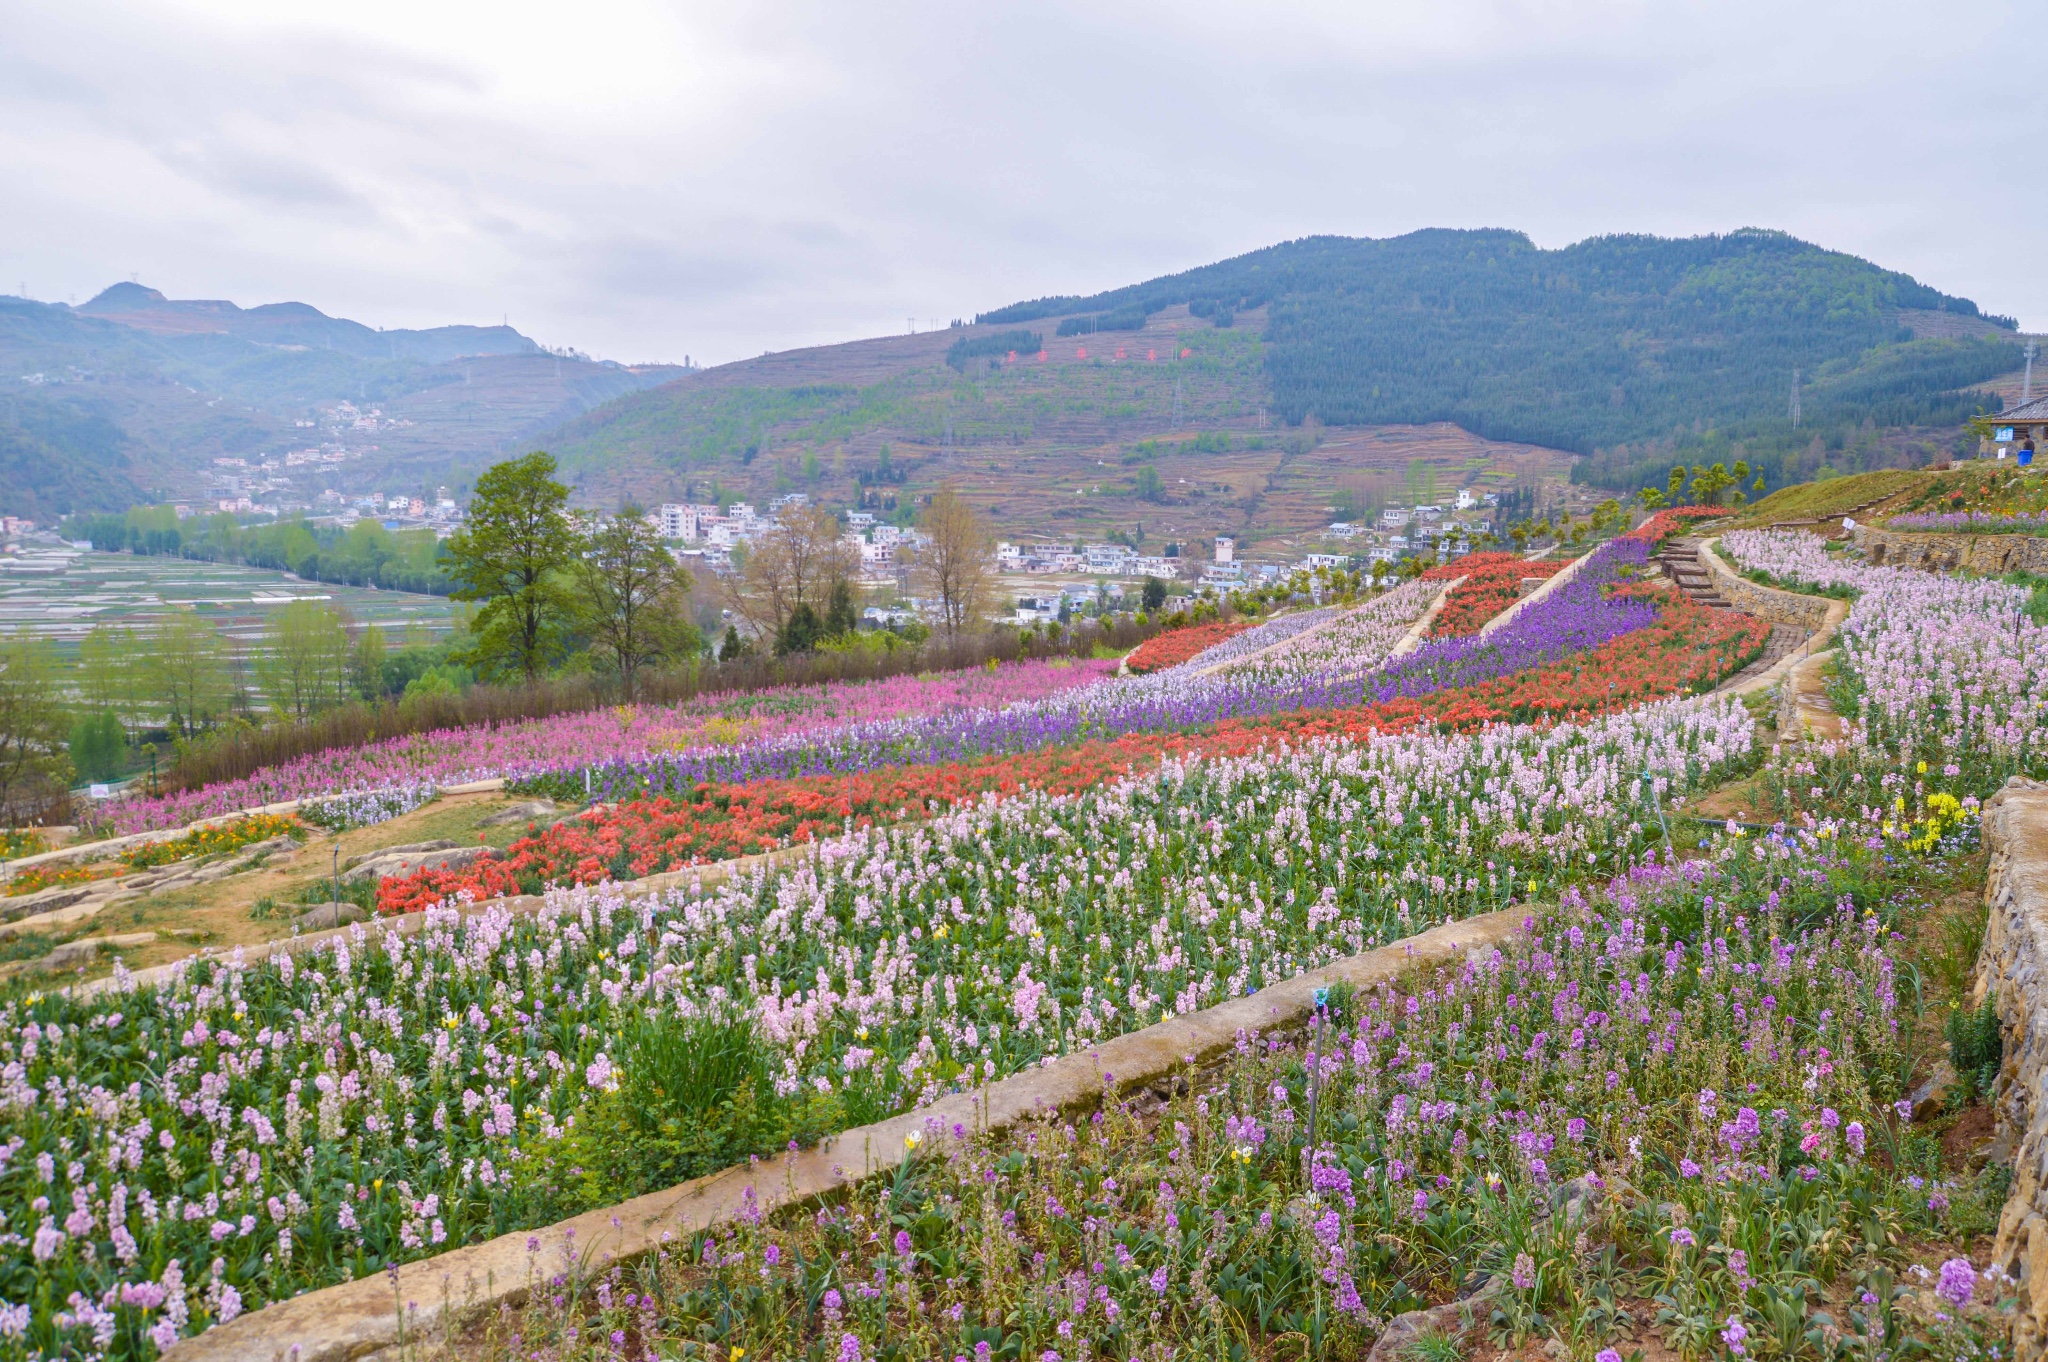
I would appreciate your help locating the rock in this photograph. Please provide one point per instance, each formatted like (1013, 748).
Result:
(74, 953)
(1454, 1319)
(332, 914)
(403, 849)
(530, 812)
(389, 864)
(43, 900)
(1930, 1099)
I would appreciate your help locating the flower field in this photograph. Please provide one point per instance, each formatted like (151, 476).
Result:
(1176, 646)
(1972, 522)
(893, 965)
(1591, 1084)
(626, 732)
(1489, 588)
(1673, 1094)
(1347, 643)
(1688, 647)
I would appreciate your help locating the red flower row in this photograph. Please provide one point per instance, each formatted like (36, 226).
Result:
(1176, 646)
(1689, 647)
(1488, 589)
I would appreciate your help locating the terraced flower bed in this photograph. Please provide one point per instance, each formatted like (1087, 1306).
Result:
(1488, 589)
(1176, 646)
(629, 732)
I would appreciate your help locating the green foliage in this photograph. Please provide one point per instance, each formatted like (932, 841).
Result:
(632, 597)
(1613, 340)
(801, 632)
(365, 554)
(34, 731)
(840, 617)
(99, 746)
(1002, 343)
(514, 556)
(1975, 1045)
(694, 1096)
(1122, 319)
(1149, 485)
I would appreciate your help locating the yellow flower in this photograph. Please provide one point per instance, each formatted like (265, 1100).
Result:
(377, 1184)
(739, 1352)
(1923, 768)
(939, 932)
(912, 1140)
(861, 1034)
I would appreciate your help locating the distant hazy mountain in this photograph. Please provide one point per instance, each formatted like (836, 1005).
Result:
(298, 326)
(131, 395)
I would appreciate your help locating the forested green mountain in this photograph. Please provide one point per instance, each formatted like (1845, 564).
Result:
(1616, 340)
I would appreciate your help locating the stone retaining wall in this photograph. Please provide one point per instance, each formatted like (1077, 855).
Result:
(1986, 553)
(358, 1319)
(2013, 968)
(1765, 602)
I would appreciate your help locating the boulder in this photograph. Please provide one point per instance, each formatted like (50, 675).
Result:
(393, 863)
(75, 953)
(403, 849)
(532, 811)
(1930, 1099)
(321, 916)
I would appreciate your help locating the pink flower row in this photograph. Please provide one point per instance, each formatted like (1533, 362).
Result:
(626, 732)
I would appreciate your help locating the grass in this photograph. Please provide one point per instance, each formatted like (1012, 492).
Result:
(1833, 497)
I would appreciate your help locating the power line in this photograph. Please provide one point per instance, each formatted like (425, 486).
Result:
(1795, 399)
(2027, 387)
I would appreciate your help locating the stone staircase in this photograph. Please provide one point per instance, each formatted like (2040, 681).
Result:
(1680, 561)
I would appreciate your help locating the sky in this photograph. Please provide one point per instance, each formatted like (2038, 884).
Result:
(645, 181)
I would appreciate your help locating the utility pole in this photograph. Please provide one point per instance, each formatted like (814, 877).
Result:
(1795, 399)
(2027, 387)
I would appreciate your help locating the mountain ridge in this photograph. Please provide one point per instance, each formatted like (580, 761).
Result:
(1627, 351)
(294, 323)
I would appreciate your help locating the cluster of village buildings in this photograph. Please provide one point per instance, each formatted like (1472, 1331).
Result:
(708, 533)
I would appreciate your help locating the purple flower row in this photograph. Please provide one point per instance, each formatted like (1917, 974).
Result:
(1973, 522)
(1575, 617)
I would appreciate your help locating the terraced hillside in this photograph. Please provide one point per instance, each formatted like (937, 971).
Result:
(1633, 352)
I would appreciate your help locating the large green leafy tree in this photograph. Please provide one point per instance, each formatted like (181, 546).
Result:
(632, 595)
(34, 729)
(516, 556)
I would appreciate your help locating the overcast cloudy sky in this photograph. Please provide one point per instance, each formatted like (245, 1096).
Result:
(644, 180)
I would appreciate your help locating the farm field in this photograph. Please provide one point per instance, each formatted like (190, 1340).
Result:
(1665, 1116)
(59, 595)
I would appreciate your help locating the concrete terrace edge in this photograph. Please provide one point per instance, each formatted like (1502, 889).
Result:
(1549, 584)
(1427, 616)
(1418, 632)
(109, 846)
(2012, 968)
(408, 924)
(359, 1319)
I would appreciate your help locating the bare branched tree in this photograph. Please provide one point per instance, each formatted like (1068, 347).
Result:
(797, 562)
(954, 567)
